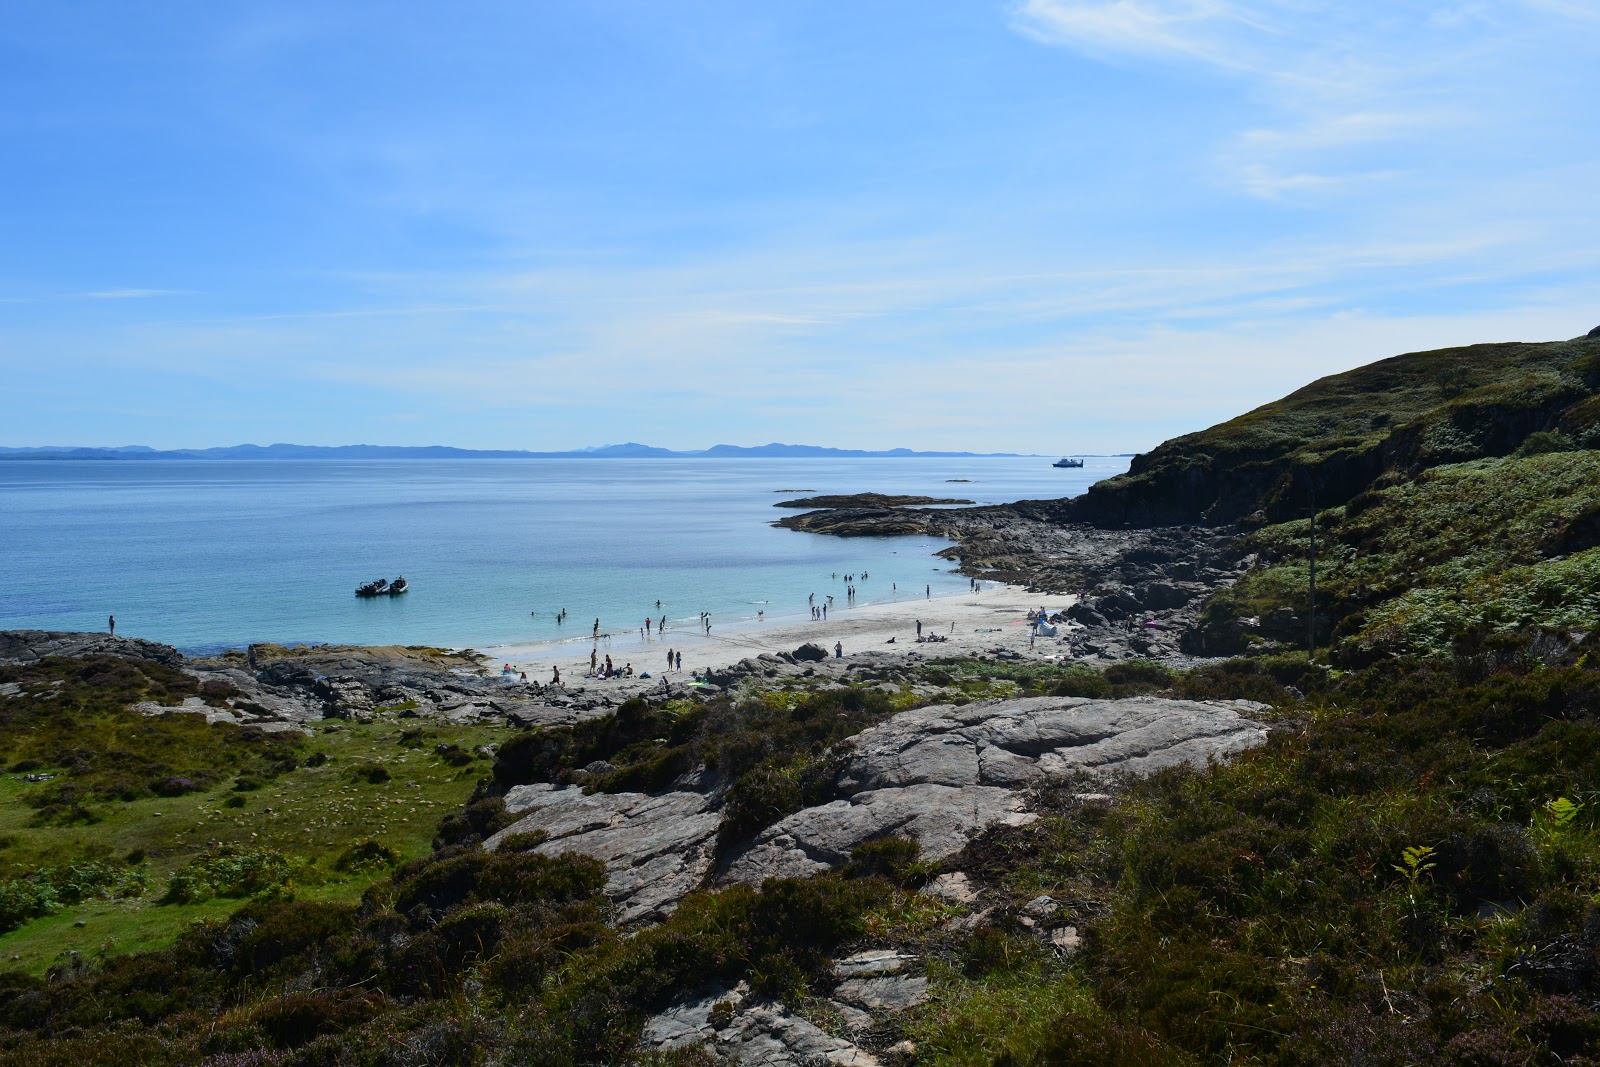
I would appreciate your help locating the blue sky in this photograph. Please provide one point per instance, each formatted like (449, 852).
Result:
(1046, 225)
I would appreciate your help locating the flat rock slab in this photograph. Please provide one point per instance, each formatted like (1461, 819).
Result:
(942, 774)
(941, 818)
(1008, 742)
(887, 993)
(655, 848)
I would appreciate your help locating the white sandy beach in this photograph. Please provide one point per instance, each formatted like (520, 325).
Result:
(994, 617)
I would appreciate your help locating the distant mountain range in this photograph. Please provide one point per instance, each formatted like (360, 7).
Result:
(630, 450)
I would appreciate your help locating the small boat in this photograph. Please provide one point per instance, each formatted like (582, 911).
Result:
(398, 586)
(378, 587)
(1065, 462)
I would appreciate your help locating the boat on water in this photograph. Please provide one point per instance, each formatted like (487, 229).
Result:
(1065, 462)
(383, 587)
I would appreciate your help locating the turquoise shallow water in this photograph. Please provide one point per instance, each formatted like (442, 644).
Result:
(212, 554)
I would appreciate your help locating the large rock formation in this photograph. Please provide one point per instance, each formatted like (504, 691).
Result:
(941, 774)
(656, 848)
(938, 775)
(30, 646)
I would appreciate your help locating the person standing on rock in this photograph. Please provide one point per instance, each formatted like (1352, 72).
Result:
(555, 675)
(111, 624)
(838, 650)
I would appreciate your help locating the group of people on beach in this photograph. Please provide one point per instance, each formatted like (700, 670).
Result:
(607, 669)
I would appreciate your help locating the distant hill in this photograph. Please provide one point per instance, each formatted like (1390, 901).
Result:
(1349, 432)
(630, 450)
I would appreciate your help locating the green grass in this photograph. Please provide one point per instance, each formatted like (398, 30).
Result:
(312, 814)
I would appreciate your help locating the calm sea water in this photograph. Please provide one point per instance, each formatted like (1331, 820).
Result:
(206, 555)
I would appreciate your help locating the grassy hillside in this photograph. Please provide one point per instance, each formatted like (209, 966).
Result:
(1339, 435)
(143, 824)
(1463, 553)
(1404, 875)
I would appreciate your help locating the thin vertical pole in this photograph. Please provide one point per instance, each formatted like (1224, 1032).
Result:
(1312, 643)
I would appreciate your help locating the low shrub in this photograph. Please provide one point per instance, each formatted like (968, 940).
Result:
(228, 871)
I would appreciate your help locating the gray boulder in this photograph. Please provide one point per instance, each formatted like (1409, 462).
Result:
(655, 848)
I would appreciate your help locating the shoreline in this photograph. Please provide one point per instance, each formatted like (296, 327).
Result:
(970, 622)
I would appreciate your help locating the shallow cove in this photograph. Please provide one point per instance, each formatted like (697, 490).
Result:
(210, 554)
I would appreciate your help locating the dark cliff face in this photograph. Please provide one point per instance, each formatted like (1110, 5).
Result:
(1346, 433)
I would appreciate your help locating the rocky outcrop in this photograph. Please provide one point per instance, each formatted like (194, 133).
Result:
(738, 1028)
(942, 774)
(30, 646)
(1143, 588)
(864, 500)
(655, 848)
(939, 775)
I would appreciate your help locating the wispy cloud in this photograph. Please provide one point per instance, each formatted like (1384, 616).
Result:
(1336, 85)
(1194, 29)
(132, 294)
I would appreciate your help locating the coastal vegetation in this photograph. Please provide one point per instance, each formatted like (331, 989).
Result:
(136, 825)
(1350, 432)
(1406, 872)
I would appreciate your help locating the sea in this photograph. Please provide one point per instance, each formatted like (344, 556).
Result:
(208, 555)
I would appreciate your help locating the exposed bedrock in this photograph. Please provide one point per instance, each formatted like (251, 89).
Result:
(943, 773)
(655, 848)
(30, 646)
(938, 775)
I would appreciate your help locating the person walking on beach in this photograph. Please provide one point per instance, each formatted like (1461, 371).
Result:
(555, 675)
(648, 622)
(594, 660)
(928, 591)
(680, 661)
(669, 659)
(111, 624)
(824, 613)
(919, 627)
